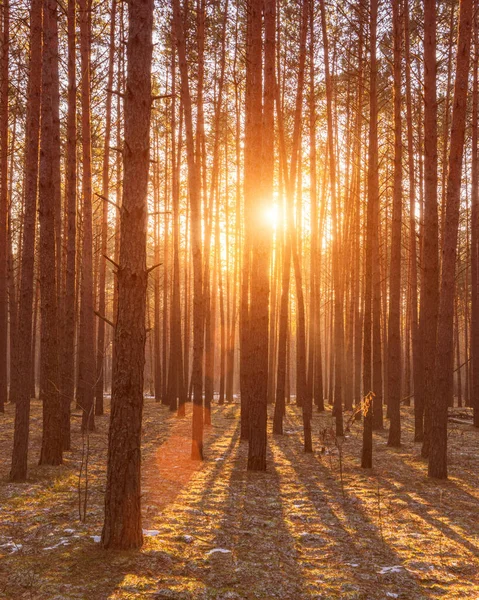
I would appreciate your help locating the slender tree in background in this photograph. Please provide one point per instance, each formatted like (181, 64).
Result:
(176, 383)
(475, 226)
(445, 346)
(336, 257)
(413, 279)
(371, 244)
(86, 354)
(430, 257)
(51, 451)
(105, 191)
(20, 394)
(394, 324)
(4, 148)
(69, 261)
(122, 526)
(196, 243)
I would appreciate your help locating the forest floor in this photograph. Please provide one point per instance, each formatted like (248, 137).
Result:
(215, 531)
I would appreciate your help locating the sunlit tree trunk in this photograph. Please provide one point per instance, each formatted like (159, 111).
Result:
(260, 235)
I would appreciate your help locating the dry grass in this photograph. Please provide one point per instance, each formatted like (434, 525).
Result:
(294, 532)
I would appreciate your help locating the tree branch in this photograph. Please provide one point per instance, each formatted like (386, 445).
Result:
(104, 319)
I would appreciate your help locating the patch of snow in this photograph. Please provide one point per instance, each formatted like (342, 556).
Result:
(151, 532)
(393, 569)
(352, 564)
(215, 550)
(12, 546)
(96, 538)
(187, 538)
(62, 542)
(392, 595)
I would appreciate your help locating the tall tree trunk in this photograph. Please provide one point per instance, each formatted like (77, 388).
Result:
(51, 450)
(430, 262)
(394, 325)
(86, 356)
(445, 346)
(475, 228)
(21, 395)
(4, 149)
(416, 352)
(336, 258)
(259, 232)
(69, 303)
(195, 228)
(122, 526)
(105, 191)
(371, 244)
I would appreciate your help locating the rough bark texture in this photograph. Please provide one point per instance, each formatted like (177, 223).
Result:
(122, 527)
(21, 395)
(51, 452)
(430, 257)
(260, 243)
(445, 345)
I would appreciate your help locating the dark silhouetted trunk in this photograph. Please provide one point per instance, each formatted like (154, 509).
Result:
(122, 526)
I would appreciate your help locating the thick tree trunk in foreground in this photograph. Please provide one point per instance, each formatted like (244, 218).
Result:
(122, 527)
(445, 345)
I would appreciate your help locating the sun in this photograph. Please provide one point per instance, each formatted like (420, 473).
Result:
(271, 216)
